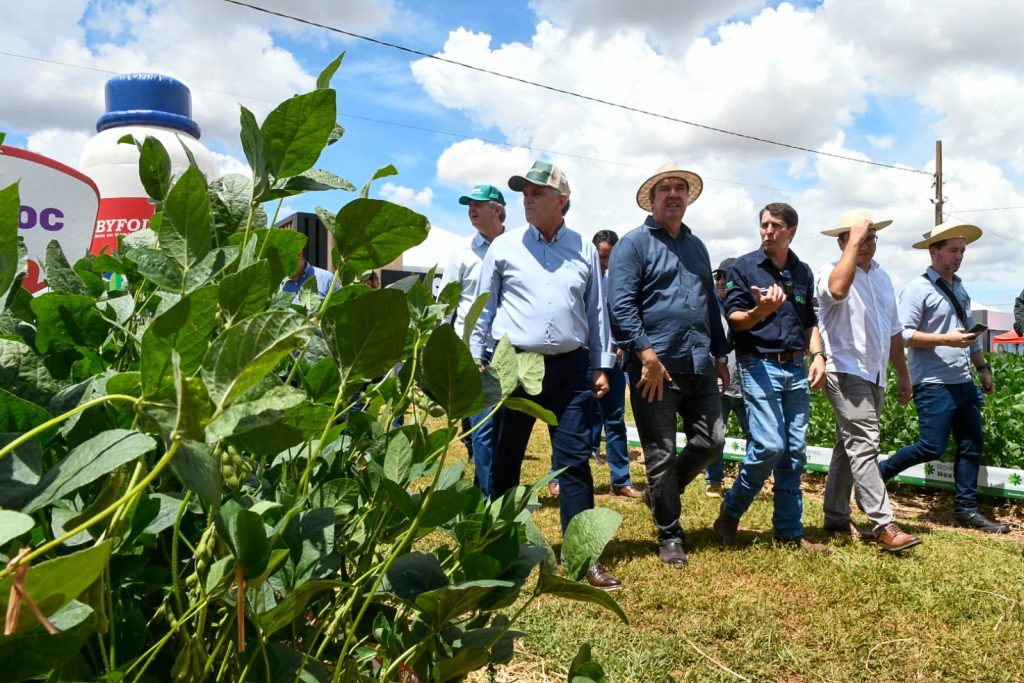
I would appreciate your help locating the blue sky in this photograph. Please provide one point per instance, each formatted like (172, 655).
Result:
(876, 81)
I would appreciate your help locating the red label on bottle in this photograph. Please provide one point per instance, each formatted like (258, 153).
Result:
(119, 216)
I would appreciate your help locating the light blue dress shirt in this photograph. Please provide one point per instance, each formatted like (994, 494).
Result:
(924, 307)
(546, 296)
(464, 267)
(323, 277)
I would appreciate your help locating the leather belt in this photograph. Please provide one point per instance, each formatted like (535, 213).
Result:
(783, 357)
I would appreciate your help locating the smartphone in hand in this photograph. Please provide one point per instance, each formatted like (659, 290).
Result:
(977, 328)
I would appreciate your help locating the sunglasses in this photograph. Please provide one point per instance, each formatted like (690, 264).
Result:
(719, 275)
(787, 282)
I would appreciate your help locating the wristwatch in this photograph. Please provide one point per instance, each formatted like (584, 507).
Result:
(819, 353)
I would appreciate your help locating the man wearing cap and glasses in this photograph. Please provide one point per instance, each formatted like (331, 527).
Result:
(486, 210)
(770, 308)
(935, 310)
(666, 318)
(544, 283)
(861, 329)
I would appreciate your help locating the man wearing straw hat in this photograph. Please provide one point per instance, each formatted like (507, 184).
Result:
(862, 333)
(666, 319)
(935, 310)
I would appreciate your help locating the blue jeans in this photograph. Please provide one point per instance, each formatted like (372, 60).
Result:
(778, 406)
(483, 450)
(566, 392)
(941, 409)
(715, 473)
(612, 415)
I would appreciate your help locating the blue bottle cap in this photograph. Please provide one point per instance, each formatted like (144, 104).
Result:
(148, 100)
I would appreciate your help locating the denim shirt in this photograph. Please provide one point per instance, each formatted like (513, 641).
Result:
(662, 296)
(784, 330)
(924, 307)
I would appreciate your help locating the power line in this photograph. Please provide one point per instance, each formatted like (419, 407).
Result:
(570, 93)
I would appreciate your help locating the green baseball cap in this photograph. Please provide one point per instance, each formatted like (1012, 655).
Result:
(544, 174)
(483, 193)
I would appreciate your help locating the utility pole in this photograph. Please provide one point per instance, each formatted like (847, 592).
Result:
(938, 182)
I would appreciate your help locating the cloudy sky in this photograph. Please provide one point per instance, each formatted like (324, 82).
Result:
(874, 80)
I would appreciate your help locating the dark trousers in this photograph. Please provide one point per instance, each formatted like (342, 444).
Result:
(566, 392)
(695, 398)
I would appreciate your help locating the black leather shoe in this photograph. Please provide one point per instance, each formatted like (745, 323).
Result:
(671, 552)
(976, 520)
(599, 577)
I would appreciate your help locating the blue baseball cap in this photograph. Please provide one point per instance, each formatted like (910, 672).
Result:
(483, 193)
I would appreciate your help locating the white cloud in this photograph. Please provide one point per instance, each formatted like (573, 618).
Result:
(407, 196)
(63, 145)
(229, 164)
(881, 141)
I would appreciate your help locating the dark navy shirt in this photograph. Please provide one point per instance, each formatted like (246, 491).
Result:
(786, 328)
(661, 296)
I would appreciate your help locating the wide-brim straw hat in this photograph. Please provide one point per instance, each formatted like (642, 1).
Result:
(669, 170)
(949, 230)
(849, 218)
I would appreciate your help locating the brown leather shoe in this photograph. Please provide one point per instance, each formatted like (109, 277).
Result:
(725, 526)
(801, 543)
(851, 531)
(599, 577)
(893, 539)
(553, 489)
(626, 492)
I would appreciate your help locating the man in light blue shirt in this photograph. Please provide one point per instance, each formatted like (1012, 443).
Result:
(304, 272)
(935, 310)
(544, 285)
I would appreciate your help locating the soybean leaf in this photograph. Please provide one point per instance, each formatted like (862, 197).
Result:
(583, 669)
(505, 366)
(22, 372)
(193, 403)
(10, 213)
(313, 180)
(444, 604)
(293, 605)
(585, 538)
(33, 652)
(382, 172)
(450, 375)
(213, 263)
(370, 233)
(64, 321)
(245, 292)
(198, 468)
(246, 536)
(19, 471)
(531, 372)
(366, 334)
(184, 328)
(255, 153)
(230, 201)
(13, 524)
(280, 247)
(466, 659)
(398, 457)
(296, 132)
(157, 267)
(19, 415)
(88, 462)
(245, 353)
(472, 315)
(443, 506)
(54, 583)
(274, 420)
(60, 277)
(323, 81)
(336, 134)
(412, 574)
(525, 405)
(154, 168)
(185, 231)
(553, 584)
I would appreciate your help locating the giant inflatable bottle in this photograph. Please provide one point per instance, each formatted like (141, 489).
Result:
(138, 105)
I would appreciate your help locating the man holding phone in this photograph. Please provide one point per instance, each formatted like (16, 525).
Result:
(935, 310)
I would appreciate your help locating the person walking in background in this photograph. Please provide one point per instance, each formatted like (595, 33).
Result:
(485, 206)
(770, 307)
(732, 395)
(935, 311)
(861, 329)
(667, 320)
(544, 292)
(612, 406)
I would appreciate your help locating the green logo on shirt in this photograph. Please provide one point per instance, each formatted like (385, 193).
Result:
(799, 299)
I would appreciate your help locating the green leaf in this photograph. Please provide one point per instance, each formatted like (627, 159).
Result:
(198, 468)
(472, 315)
(64, 321)
(553, 584)
(505, 366)
(154, 168)
(34, 652)
(248, 351)
(101, 454)
(22, 372)
(443, 506)
(366, 335)
(313, 180)
(210, 265)
(157, 267)
(583, 669)
(531, 372)
(19, 415)
(230, 197)
(525, 405)
(255, 151)
(246, 292)
(60, 277)
(382, 172)
(335, 135)
(444, 604)
(246, 536)
(412, 574)
(54, 583)
(10, 215)
(13, 524)
(293, 605)
(466, 659)
(398, 458)
(370, 233)
(296, 132)
(585, 538)
(184, 328)
(323, 81)
(185, 231)
(450, 375)
(193, 403)
(280, 247)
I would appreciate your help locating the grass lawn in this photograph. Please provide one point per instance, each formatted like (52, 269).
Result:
(949, 610)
